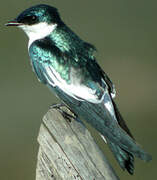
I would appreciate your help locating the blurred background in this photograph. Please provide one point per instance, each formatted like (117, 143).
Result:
(124, 32)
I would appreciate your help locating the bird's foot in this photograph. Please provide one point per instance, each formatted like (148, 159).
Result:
(56, 106)
(65, 111)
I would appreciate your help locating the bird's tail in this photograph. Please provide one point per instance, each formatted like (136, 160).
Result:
(125, 156)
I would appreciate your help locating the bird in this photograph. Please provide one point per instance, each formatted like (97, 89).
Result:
(67, 65)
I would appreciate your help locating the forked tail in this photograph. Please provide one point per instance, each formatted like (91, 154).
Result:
(126, 149)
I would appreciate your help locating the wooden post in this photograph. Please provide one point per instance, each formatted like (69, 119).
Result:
(68, 152)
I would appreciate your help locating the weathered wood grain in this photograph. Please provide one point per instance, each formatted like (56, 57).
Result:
(68, 152)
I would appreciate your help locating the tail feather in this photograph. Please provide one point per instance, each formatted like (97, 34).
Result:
(126, 148)
(124, 158)
(136, 149)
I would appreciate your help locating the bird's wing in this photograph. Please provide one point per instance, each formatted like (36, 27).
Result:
(103, 78)
(97, 88)
(82, 79)
(44, 60)
(52, 68)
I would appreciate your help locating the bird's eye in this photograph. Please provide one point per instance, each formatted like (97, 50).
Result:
(28, 19)
(33, 18)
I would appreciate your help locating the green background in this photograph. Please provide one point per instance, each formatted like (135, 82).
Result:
(124, 33)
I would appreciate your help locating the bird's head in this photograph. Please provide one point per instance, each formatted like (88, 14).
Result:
(37, 21)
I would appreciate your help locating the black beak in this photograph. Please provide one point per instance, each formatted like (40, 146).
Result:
(13, 23)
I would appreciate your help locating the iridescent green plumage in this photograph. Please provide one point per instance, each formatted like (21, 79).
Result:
(71, 57)
(65, 51)
(66, 64)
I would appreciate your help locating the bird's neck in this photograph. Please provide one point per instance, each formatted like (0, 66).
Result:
(38, 31)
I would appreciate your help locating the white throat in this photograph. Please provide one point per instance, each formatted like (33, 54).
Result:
(38, 31)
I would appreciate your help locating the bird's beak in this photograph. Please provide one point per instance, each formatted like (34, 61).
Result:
(13, 23)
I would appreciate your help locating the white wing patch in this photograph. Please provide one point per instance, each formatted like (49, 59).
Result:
(75, 89)
(113, 93)
(103, 137)
(108, 104)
